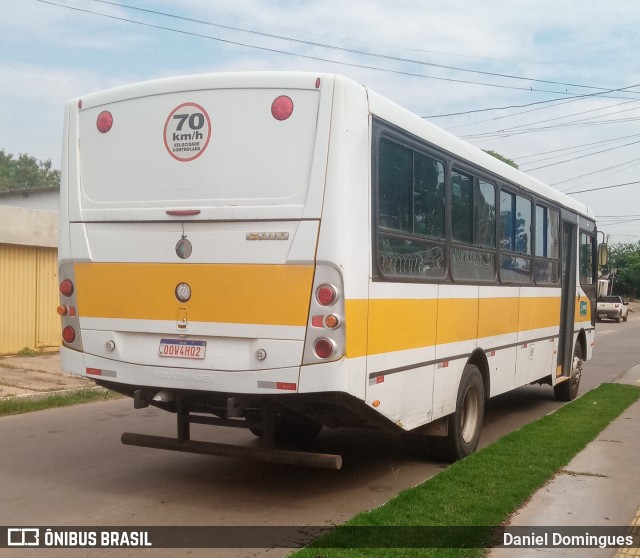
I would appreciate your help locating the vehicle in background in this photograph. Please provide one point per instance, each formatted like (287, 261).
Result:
(613, 308)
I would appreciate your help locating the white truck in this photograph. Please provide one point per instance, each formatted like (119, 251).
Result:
(612, 307)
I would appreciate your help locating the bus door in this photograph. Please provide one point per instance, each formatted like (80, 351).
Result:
(568, 296)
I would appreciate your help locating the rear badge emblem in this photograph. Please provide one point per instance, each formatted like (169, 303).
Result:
(267, 236)
(183, 248)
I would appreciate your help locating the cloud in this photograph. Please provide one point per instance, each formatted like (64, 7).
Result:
(54, 54)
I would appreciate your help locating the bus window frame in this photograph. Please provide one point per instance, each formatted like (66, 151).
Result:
(383, 129)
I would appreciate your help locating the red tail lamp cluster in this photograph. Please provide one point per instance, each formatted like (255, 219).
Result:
(326, 296)
(66, 290)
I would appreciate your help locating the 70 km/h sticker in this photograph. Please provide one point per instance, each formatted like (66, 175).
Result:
(187, 132)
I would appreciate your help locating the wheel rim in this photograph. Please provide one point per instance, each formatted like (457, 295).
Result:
(576, 370)
(469, 415)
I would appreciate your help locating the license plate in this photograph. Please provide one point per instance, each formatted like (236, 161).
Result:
(179, 348)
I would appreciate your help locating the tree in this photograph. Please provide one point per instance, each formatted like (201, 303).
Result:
(625, 259)
(26, 172)
(502, 158)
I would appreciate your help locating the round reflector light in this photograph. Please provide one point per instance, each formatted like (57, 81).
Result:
(183, 292)
(104, 122)
(332, 321)
(282, 107)
(66, 288)
(326, 295)
(69, 334)
(324, 348)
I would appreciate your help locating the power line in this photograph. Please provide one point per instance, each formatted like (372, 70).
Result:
(507, 132)
(584, 123)
(626, 164)
(617, 216)
(559, 101)
(582, 156)
(349, 50)
(577, 114)
(623, 222)
(574, 147)
(310, 57)
(602, 187)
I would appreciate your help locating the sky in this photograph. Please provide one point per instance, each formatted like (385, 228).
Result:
(554, 86)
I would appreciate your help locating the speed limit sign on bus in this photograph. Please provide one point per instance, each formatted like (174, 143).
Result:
(187, 132)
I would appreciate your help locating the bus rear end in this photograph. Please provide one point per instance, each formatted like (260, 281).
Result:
(190, 214)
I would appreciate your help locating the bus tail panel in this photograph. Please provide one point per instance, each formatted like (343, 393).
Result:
(209, 148)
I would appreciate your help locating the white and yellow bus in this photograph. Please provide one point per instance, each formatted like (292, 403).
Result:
(287, 251)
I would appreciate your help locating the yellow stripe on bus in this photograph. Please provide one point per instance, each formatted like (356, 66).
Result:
(384, 326)
(243, 294)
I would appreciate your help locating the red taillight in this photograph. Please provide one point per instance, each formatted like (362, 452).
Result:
(104, 121)
(69, 334)
(326, 295)
(282, 107)
(324, 348)
(66, 288)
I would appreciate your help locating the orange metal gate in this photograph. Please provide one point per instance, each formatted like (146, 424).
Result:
(28, 298)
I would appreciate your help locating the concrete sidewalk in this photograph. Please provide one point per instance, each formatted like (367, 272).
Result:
(36, 376)
(600, 487)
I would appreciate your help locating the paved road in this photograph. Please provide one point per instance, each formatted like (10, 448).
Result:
(67, 466)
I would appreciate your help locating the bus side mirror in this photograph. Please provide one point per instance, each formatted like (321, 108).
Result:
(603, 254)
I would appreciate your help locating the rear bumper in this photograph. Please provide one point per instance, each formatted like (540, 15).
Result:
(258, 382)
(612, 314)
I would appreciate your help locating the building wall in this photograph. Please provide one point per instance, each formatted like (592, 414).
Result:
(28, 280)
(41, 199)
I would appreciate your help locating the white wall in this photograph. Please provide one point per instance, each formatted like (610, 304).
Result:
(28, 227)
(42, 199)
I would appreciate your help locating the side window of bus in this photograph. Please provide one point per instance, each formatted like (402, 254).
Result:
(395, 186)
(410, 212)
(473, 218)
(515, 238)
(547, 252)
(586, 258)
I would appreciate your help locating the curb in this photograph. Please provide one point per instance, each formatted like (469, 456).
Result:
(45, 394)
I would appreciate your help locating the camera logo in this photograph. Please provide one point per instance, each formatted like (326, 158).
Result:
(23, 536)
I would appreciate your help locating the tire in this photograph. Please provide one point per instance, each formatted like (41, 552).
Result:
(465, 425)
(568, 390)
(625, 318)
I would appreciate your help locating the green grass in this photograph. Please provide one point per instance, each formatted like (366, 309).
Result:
(20, 405)
(481, 490)
(27, 352)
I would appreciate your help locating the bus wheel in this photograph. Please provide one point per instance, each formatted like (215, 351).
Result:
(465, 425)
(568, 390)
